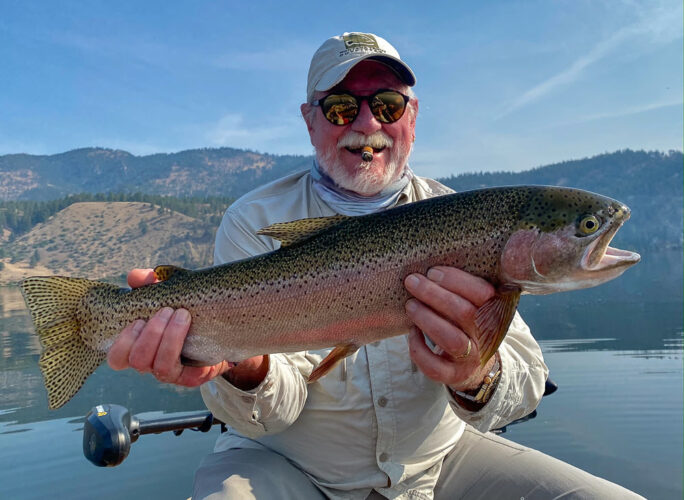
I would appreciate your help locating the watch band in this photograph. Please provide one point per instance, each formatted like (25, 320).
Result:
(484, 392)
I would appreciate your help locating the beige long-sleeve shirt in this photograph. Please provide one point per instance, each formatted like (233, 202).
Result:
(375, 421)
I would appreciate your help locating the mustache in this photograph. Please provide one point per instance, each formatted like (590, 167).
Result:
(355, 140)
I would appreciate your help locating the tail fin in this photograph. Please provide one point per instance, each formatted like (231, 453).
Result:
(66, 360)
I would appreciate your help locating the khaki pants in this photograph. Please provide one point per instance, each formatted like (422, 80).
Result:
(481, 466)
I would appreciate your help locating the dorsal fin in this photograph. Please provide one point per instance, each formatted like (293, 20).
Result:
(165, 272)
(292, 232)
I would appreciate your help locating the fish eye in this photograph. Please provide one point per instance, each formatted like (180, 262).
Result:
(589, 224)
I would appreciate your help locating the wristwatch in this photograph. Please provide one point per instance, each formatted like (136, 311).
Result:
(481, 395)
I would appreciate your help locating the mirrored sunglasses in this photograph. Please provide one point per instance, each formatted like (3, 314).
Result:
(387, 106)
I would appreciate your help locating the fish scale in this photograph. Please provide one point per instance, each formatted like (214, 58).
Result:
(338, 281)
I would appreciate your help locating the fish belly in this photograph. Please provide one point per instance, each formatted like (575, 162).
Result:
(338, 307)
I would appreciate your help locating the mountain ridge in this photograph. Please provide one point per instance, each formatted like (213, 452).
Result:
(206, 171)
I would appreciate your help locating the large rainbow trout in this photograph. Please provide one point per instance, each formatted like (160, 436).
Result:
(338, 281)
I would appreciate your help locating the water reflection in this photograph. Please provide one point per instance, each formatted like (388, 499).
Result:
(617, 414)
(11, 301)
(47, 462)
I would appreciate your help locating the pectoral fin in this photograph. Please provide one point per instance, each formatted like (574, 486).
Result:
(494, 318)
(292, 232)
(336, 355)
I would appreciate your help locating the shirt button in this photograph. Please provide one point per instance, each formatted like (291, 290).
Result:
(383, 457)
(382, 401)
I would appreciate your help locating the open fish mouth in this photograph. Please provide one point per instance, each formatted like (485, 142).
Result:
(599, 256)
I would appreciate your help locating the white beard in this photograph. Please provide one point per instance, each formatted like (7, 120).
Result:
(363, 180)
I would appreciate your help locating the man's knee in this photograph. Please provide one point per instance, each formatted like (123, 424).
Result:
(250, 474)
(487, 466)
(540, 476)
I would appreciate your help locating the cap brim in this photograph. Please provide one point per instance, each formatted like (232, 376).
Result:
(337, 73)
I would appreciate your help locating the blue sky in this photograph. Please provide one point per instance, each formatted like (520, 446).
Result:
(502, 85)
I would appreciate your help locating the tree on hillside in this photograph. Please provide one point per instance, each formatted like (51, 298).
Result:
(35, 258)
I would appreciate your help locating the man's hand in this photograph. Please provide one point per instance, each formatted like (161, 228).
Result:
(154, 346)
(444, 309)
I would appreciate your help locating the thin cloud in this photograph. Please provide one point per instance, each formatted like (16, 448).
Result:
(634, 110)
(659, 26)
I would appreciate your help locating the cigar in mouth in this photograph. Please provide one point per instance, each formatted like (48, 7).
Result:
(367, 153)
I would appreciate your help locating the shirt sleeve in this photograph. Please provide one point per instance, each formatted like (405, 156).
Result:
(269, 408)
(235, 240)
(277, 402)
(521, 385)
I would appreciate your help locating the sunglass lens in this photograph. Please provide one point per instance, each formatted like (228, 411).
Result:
(388, 106)
(340, 109)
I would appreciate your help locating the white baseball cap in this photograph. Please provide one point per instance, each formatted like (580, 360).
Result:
(339, 54)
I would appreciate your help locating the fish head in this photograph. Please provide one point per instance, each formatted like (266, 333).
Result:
(561, 242)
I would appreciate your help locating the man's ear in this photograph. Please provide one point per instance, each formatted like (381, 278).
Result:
(413, 116)
(306, 109)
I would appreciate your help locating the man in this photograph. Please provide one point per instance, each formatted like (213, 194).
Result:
(400, 418)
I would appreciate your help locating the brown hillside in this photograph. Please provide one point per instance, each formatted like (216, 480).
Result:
(107, 239)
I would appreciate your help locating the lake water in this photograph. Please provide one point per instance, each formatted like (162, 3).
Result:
(615, 351)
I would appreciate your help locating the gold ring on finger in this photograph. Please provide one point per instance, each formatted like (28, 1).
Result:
(467, 352)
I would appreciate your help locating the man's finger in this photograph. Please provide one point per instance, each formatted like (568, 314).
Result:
(446, 335)
(432, 365)
(450, 305)
(141, 277)
(192, 376)
(472, 288)
(118, 354)
(167, 365)
(145, 348)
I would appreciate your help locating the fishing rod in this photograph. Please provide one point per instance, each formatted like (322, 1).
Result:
(109, 429)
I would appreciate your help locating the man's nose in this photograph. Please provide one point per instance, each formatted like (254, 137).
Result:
(365, 122)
